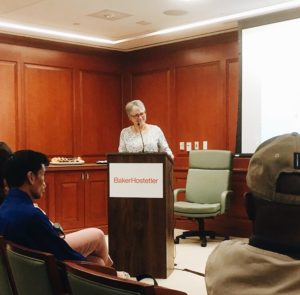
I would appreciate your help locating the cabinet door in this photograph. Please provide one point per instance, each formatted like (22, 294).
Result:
(69, 199)
(96, 198)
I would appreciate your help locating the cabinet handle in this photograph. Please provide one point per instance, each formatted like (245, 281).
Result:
(87, 176)
(82, 176)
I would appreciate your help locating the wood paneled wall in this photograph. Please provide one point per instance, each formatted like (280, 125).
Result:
(190, 90)
(70, 102)
(48, 109)
(59, 102)
(9, 102)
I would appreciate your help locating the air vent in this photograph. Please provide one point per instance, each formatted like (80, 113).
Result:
(110, 15)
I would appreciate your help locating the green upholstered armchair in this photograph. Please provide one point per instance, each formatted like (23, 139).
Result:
(207, 190)
(34, 272)
(7, 285)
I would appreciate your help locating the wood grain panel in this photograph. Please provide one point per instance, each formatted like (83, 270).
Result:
(71, 103)
(48, 106)
(144, 226)
(9, 101)
(69, 199)
(95, 198)
(200, 50)
(153, 88)
(100, 113)
(201, 107)
(232, 93)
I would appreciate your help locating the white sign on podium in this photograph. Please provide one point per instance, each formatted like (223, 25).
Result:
(136, 180)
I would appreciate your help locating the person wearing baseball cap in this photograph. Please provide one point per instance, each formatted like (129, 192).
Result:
(269, 262)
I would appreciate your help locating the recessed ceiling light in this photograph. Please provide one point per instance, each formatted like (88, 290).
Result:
(175, 12)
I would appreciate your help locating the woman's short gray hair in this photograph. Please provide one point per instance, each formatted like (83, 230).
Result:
(134, 103)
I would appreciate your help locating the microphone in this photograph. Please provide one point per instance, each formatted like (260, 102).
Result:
(143, 150)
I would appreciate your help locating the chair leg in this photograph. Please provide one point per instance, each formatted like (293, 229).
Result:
(195, 233)
(186, 234)
(201, 233)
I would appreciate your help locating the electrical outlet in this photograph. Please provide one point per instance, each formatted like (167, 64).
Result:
(188, 146)
(196, 145)
(181, 145)
(204, 145)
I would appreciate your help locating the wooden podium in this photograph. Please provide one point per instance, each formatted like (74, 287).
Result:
(141, 229)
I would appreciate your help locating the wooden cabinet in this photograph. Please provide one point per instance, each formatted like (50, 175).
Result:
(95, 199)
(69, 199)
(76, 197)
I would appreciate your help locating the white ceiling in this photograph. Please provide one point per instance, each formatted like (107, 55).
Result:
(138, 27)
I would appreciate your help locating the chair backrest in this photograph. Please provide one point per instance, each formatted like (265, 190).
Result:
(34, 272)
(84, 281)
(208, 175)
(7, 285)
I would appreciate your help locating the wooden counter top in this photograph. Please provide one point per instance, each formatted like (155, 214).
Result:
(86, 166)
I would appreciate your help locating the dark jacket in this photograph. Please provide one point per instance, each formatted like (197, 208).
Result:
(24, 224)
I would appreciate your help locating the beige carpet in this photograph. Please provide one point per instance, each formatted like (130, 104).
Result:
(191, 256)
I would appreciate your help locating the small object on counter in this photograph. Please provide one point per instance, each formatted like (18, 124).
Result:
(101, 162)
(66, 161)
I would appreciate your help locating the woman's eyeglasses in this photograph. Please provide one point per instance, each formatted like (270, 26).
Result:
(138, 115)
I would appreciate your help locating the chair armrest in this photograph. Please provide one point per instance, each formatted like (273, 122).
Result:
(165, 291)
(92, 266)
(177, 191)
(225, 198)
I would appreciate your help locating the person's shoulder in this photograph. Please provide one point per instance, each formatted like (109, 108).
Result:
(229, 246)
(37, 213)
(126, 130)
(154, 127)
(227, 252)
(233, 243)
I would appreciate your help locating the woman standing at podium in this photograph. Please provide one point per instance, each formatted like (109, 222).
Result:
(141, 137)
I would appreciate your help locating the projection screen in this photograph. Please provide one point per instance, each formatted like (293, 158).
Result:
(270, 84)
